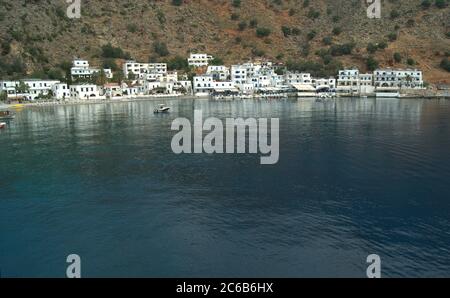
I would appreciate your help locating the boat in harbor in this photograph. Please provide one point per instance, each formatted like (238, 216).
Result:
(162, 109)
(202, 94)
(2, 125)
(326, 92)
(6, 115)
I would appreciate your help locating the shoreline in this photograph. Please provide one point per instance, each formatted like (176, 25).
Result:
(183, 97)
(100, 101)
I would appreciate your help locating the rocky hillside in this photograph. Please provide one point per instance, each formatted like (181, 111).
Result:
(318, 35)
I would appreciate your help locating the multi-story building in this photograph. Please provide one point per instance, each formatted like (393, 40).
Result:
(81, 70)
(322, 83)
(199, 60)
(352, 83)
(252, 76)
(297, 78)
(203, 84)
(35, 88)
(9, 87)
(207, 84)
(398, 78)
(61, 91)
(219, 73)
(144, 70)
(112, 90)
(239, 74)
(84, 91)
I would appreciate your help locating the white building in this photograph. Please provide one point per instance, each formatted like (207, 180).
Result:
(61, 91)
(249, 77)
(297, 78)
(207, 84)
(203, 84)
(39, 87)
(187, 85)
(108, 73)
(133, 89)
(145, 71)
(351, 82)
(84, 91)
(9, 87)
(322, 83)
(36, 88)
(81, 70)
(170, 77)
(398, 78)
(240, 74)
(348, 79)
(112, 90)
(199, 60)
(151, 86)
(219, 72)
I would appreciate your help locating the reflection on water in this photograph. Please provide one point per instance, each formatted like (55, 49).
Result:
(355, 177)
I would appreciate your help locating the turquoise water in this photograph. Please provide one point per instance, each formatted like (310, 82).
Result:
(355, 177)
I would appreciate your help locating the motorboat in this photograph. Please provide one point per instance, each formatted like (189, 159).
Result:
(162, 109)
(2, 125)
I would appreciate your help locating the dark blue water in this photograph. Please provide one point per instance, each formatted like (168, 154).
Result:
(355, 177)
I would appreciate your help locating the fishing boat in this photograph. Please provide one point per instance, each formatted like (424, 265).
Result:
(6, 115)
(162, 109)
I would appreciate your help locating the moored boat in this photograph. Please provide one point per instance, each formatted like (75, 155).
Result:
(2, 125)
(162, 109)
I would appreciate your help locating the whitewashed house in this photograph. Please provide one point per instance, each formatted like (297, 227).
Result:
(152, 86)
(82, 70)
(206, 84)
(199, 60)
(203, 84)
(219, 72)
(61, 91)
(291, 78)
(84, 91)
(39, 87)
(239, 75)
(9, 87)
(112, 90)
(348, 82)
(324, 83)
(134, 89)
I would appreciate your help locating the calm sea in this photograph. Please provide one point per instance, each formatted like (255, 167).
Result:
(355, 177)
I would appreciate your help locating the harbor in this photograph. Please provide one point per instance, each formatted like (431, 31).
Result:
(254, 79)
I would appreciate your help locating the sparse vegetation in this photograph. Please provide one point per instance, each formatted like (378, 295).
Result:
(445, 64)
(164, 30)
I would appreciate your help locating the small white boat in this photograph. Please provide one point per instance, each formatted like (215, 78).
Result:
(162, 109)
(202, 94)
(2, 125)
